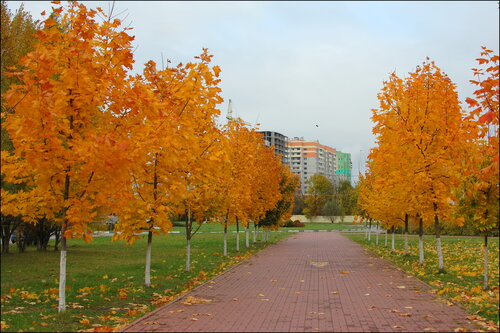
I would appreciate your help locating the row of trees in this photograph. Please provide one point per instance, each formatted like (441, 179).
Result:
(90, 139)
(435, 162)
(323, 198)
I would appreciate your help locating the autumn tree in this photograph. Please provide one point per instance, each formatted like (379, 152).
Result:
(479, 193)
(268, 184)
(423, 113)
(18, 36)
(67, 110)
(320, 190)
(289, 182)
(173, 138)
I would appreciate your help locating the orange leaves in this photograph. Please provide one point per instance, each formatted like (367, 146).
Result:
(420, 135)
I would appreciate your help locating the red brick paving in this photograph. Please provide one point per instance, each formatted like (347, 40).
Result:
(373, 295)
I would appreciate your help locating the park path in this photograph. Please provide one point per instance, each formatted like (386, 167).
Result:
(308, 282)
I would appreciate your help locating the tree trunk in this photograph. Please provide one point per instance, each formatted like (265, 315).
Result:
(188, 241)
(376, 237)
(147, 278)
(254, 233)
(237, 235)
(406, 234)
(369, 230)
(5, 244)
(247, 235)
(386, 231)
(392, 244)
(57, 240)
(421, 242)
(188, 255)
(366, 231)
(485, 248)
(62, 271)
(437, 229)
(62, 263)
(225, 239)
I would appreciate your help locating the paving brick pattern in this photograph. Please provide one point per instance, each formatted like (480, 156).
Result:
(309, 282)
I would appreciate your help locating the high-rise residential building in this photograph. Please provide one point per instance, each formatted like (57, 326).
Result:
(344, 167)
(280, 144)
(307, 158)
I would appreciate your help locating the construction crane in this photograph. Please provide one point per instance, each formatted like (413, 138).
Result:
(230, 117)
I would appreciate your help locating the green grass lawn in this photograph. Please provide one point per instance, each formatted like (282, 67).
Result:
(210, 227)
(105, 280)
(463, 258)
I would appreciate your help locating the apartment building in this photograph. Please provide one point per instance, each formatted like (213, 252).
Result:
(307, 158)
(344, 167)
(280, 144)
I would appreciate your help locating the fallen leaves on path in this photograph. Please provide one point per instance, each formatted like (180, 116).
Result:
(194, 300)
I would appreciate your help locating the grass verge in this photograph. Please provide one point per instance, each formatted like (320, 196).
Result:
(105, 280)
(463, 280)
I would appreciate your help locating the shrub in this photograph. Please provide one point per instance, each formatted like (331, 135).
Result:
(298, 224)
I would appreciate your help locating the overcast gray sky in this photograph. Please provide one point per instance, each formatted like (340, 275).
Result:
(293, 65)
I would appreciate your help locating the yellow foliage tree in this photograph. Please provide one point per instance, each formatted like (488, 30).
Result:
(67, 114)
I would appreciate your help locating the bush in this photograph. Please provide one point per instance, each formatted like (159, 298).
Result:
(298, 224)
(294, 224)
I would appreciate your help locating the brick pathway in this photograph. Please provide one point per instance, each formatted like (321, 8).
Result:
(309, 282)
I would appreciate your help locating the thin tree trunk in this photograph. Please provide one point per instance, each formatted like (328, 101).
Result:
(247, 235)
(62, 272)
(437, 229)
(485, 248)
(366, 231)
(392, 244)
(370, 230)
(376, 237)
(225, 239)
(421, 242)
(147, 273)
(62, 263)
(386, 231)
(406, 234)
(57, 240)
(237, 235)
(254, 233)
(188, 241)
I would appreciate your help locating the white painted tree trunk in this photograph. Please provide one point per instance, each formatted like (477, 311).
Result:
(421, 250)
(225, 242)
(385, 239)
(147, 274)
(406, 243)
(188, 241)
(369, 233)
(255, 234)
(247, 236)
(440, 254)
(485, 248)
(392, 242)
(62, 281)
(188, 255)
(376, 236)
